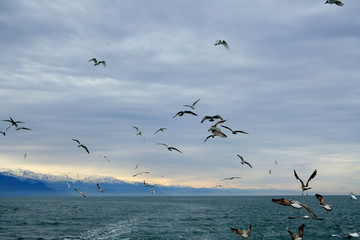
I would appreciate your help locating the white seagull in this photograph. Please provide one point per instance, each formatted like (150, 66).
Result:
(297, 236)
(243, 161)
(293, 203)
(352, 195)
(326, 206)
(337, 2)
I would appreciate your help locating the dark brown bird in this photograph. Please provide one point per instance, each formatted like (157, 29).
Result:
(181, 113)
(211, 118)
(305, 187)
(80, 192)
(81, 145)
(298, 236)
(243, 233)
(99, 189)
(96, 62)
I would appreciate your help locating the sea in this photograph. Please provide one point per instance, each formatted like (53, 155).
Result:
(171, 217)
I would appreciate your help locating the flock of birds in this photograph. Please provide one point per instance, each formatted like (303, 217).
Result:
(299, 205)
(216, 131)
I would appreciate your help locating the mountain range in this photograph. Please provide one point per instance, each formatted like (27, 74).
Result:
(27, 183)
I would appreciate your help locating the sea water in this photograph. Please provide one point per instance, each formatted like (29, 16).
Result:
(160, 217)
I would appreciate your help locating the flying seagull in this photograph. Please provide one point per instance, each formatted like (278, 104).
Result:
(140, 173)
(98, 187)
(270, 171)
(81, 145)
(137, 165)
(216, 131)
(234, 132)
(96, 62)
(22, 128)
(303, 186)
(181, 113)
(297, 236)
(211, 118)
(138, 132)
(243, 161)
(326, 206)
(293, 203)
(169, 148)
(222, 42)
(352, 195)
(160, 129)
(229, 178)
(337, 2)
(192, 106)
(305, 217)
(351, 235)
(13, 123)
(80, 192)
(244, 233)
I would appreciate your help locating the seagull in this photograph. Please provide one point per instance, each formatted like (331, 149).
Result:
(216, 131)
(79, 192)
(351, 235)
(69, 186)
(96, 62)
(229, 178)
(222, 42)
(243, 161)
(160, 129)
(98, 187)
(181, 113)
(327, 206)
(305, 187)
(233, 132)
(140, 173)
(293, 203)
(352, 195)
(211, 118)
(25, 155)
(244, 233)
(297, 236)
(218, 186)
(337, 2)
(276, 162)
(137, 165)
(13, 123)
(138, 132)
(170, 148)
(306, 217)
(80, 145)
(192, 106)
(270, 171)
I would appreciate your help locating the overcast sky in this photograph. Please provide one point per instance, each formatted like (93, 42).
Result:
(290, 79)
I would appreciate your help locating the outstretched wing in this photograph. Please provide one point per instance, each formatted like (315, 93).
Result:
(248, 164)
(307, 208)
(86, 149)
(76, 140)
(311, 177)
(93, 59)
(190, 112)
(301, 230)
(297, 177)
(321, 198)
(238, 231)
(226, 127)
(282, 201)
(173, 148)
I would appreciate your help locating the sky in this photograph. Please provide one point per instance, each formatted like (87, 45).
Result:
(290, 80)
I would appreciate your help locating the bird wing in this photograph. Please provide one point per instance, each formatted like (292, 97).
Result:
(225, 45)
(93, 59)
(282, 201)
(193, 105)
(103, 63)
(76, 140)
(311, 177)
(238, 231)
(292, 235)
(173, 148)
(301, 230)
(162, 144)
(209, 137)
(321, 198)
(242, 159)
(205, 118)
(248, 164)
(190, 112)
(297, 177)
(339, 3)
(87, 150)
(178, 114)
(239, 131)
(219, 133)
(307, 208)
(226, 127)
(221, 121)
(137, 129)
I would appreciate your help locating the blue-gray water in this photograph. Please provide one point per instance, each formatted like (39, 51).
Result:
(169, 217)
